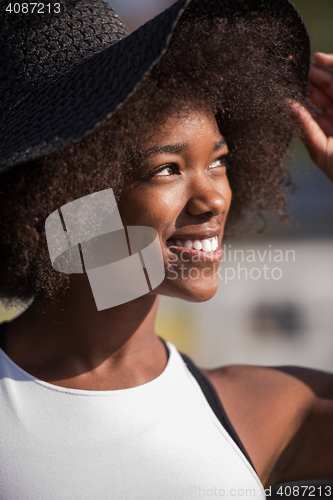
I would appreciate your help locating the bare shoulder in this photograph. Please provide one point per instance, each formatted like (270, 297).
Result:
(266, 384)
(266, 407)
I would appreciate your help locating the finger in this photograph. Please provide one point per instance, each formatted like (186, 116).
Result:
(312, 134)
(322, 78)
(312, 109)
(324, 59)
(319, 98)
(326, 122)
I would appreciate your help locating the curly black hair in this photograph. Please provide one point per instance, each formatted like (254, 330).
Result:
(238, 67)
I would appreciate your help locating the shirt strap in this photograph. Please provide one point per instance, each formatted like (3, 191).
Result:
(3, 328)
(215, 403)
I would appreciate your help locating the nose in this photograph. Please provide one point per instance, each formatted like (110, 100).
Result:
(206, 199)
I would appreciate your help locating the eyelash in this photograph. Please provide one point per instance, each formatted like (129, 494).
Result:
(222, 159)
(172, 165)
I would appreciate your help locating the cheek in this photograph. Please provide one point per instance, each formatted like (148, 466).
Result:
(227, 194)
(147, 208)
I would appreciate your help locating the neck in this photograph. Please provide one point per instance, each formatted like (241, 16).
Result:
(68, 337)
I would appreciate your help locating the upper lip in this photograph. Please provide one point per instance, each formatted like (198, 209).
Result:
(203, 235)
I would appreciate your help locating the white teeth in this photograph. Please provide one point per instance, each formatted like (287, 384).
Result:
(206, 246)
(197, 245)
(214, 244)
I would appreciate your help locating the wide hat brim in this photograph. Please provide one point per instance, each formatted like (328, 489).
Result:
(66, 108)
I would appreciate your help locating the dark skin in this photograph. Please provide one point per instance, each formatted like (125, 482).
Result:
(283, 416)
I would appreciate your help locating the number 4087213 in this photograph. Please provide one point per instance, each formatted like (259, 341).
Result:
(305, 491)
(31, 7)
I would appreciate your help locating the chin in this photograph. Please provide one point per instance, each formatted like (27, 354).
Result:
(189, 289)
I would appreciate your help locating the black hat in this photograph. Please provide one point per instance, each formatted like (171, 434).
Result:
(64, 73)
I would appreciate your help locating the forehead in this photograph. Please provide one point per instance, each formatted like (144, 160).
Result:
(183, 126)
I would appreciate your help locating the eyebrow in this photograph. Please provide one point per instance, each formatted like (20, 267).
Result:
(219, 145)
(169, 149)
(177, 148)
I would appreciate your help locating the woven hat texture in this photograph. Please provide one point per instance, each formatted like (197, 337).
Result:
(62, 75)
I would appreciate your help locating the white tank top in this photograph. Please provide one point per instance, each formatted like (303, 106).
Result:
(158, 441)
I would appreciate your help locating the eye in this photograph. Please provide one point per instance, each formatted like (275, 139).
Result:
(166, 171)
(219, 162)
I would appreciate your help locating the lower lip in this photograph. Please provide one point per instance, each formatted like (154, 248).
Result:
(215, 256)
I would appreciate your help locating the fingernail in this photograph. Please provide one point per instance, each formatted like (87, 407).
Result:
(320, 54)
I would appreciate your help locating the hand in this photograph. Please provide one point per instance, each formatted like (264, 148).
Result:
(317, 121)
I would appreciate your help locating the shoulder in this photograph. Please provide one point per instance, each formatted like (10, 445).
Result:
(263, 384)
(266, 407)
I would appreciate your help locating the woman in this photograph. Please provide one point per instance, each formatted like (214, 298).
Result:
(93, 403)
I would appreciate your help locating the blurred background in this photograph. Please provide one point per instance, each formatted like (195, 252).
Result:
(275, 300)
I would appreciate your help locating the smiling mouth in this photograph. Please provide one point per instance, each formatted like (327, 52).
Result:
(206, 245)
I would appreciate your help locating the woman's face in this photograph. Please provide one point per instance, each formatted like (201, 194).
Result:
(181, 189)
